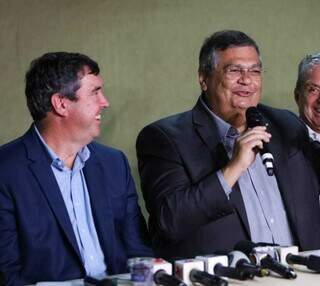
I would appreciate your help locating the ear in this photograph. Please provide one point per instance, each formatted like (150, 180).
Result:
(58, 103)
(202, 81)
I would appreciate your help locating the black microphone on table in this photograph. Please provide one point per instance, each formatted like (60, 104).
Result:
(162, 273)
(266, 257)
(239, 260)
(204, 278)
(218, 264)
(161, 277)
(289, 255)
(193, 270)
(232, 272)
(254, 118)
(312, 262)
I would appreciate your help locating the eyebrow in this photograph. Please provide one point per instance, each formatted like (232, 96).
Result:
(313, 85)
(241, 66)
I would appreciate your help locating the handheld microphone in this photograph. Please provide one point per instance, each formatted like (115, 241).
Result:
(254, 118)
(266, 257)
(239, 260)
(312, 262)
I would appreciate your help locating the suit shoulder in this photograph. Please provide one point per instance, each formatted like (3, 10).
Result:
(290, 126)
(11, 150)
(171, 124)
(165, 135)
(12, 160)
(281, 116)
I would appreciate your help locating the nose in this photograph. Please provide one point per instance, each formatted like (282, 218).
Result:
(244, 78)
(104, 102)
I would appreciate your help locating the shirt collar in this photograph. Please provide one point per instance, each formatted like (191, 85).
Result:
(224, 129)
(313, 134)
(82, 156)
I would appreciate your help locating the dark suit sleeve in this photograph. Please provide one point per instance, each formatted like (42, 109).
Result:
(10, 264)
(177, 203)
(134, 231)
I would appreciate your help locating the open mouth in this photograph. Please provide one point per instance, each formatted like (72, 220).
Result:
(243, 93)
(98, 117)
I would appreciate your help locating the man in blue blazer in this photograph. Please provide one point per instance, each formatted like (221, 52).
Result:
(68, 205)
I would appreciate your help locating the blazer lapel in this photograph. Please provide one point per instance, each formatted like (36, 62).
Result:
(238, 204)
(101, 205)
(208, 132)
(284, 180)
(40, 167)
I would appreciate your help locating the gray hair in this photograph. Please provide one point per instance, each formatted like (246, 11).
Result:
(305, 66)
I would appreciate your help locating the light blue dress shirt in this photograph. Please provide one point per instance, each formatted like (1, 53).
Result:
(266, 214)
(75, 194)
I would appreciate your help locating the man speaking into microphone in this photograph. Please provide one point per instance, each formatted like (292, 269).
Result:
(202, 174)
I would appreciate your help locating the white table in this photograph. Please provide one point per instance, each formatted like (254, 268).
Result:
(305, 278)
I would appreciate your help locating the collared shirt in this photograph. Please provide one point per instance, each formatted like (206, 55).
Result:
(73, 188)
(313, 134)
(266, 214)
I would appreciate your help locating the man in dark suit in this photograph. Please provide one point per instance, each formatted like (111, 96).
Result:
(68, 205)
(202, 178)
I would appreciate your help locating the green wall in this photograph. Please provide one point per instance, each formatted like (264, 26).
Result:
(147, 51)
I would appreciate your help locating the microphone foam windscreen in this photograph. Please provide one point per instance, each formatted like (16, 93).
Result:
(245, 246)
(253, 117)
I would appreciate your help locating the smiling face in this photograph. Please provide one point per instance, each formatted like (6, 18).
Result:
(234, 85)
(309, 100)
(84, 114)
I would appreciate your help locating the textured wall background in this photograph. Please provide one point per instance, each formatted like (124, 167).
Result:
(147, 51)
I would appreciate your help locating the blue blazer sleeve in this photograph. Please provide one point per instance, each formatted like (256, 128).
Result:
(134, 230)
(9, 249)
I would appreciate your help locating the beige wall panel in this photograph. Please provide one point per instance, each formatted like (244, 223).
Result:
(147, 51)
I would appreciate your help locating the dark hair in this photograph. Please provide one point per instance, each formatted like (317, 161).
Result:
(52, 73)
(220, 41)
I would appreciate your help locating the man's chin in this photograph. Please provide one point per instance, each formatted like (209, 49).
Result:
(246, 102)
(244, 105)
(94, 135)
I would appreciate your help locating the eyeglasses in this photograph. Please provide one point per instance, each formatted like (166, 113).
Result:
(313, 89)
(237, 71)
